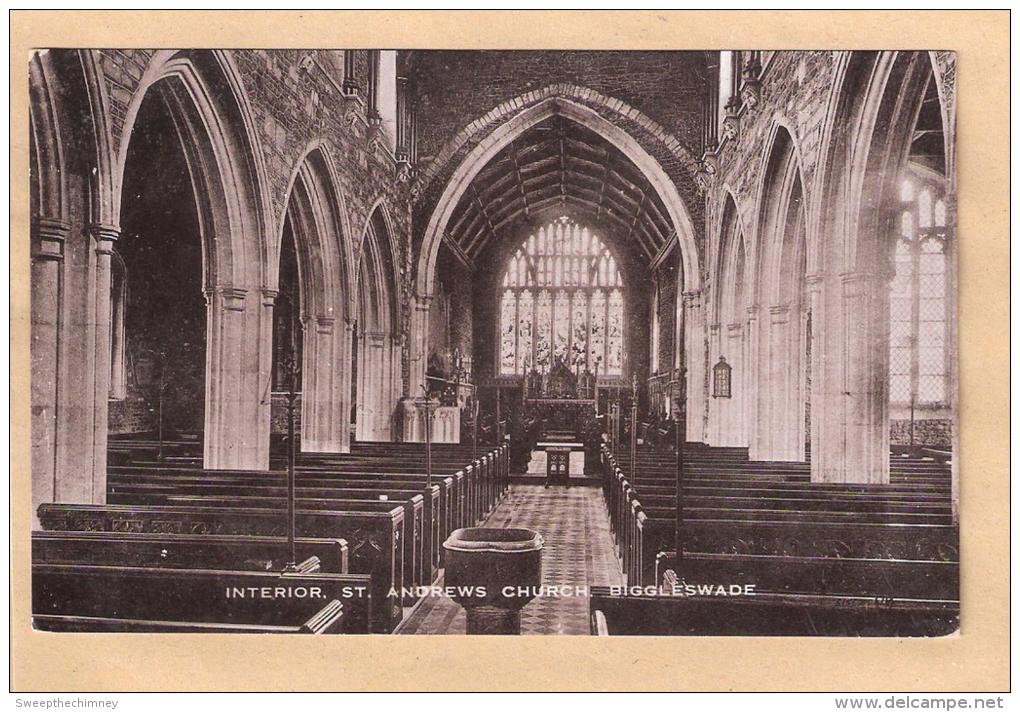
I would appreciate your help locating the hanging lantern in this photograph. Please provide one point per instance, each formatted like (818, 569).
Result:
(722, 379)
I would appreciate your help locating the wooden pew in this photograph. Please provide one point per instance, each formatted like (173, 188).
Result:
(769, 614)
(207, 551)
(124, 482)
(423, 560)
(77, 596)
(412, 572)
(375, 538)
(882, 578)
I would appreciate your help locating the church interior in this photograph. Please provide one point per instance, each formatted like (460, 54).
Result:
(512, 342)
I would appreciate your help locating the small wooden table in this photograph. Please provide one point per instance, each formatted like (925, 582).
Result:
(557, 468)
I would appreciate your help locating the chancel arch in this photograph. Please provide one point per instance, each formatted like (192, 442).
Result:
(652, 181)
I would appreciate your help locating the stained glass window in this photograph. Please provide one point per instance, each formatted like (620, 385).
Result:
(562, 298)
(918, 299)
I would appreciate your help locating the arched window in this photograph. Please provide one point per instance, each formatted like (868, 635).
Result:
(561, 298)
(919, 298)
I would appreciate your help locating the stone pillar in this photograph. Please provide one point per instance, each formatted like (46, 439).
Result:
(345, 383)
(323, 416)
(49, 236)
(716, 428)
(235, 403)
(265, 362)
(734, 432)
(418, 352)
(865, 310)
(827, 393)
(782, 429)
(105, 236)
(373, 418)
(694, 358)
(754, 370)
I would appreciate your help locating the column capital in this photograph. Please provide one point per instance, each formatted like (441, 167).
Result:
(863, 280)
(324, 324)
(269, 297)
(231, 298)
(51, 234)
(779, 313)
(105, 236)
(692, 297)
(422, 302)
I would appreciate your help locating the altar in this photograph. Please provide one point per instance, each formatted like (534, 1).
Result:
(563, 402)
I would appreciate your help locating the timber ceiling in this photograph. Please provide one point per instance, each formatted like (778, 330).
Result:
(559, 163)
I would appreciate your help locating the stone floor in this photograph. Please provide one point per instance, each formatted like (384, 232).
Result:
(578, 552)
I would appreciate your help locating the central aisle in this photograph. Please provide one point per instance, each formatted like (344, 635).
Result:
(578, 552)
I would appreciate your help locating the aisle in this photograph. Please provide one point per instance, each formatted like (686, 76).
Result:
(578, 552)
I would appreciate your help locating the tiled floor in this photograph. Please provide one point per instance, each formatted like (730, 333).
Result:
(578, 552)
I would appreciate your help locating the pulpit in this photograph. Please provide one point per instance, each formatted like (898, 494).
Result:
(445, 421)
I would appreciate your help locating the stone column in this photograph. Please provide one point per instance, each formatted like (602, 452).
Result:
(372, 363)
(49, 236)
(105, 236)
(269, 297)
(322, 406)
(866, 378)
(715, 431)
(827, 392)
(783, 429)
(346, 356)
(734, 433)
(754, 370)
(694, 358)
(418, 352)
(235, 402)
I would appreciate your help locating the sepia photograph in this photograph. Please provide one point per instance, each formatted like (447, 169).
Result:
(493, 342)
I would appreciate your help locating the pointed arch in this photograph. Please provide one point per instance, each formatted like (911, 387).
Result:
(867, 136)
(729, 334)
(202, 95)
(779, 337)
(314, 219)
(378, 351)
(513, 127)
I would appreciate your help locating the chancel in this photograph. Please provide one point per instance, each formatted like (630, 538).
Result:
(410, 339)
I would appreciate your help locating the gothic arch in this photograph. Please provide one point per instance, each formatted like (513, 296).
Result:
(781, 181)
(71, 234)
(728, 333)
(205, 101)
(871, 115)
(779, 335)
(314, 216)
(513, 126)
(210, 110)
(378, 350)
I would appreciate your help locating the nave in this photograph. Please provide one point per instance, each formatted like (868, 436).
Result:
(579, 554)
(320, 347)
